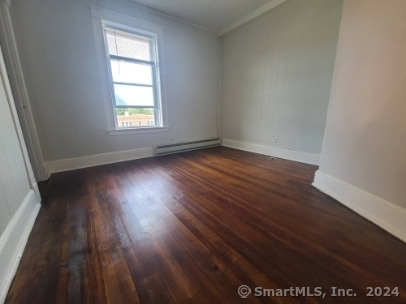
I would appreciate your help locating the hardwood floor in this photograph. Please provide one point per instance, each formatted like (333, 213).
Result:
(193, 227)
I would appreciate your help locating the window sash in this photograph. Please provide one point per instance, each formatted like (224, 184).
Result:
(151, 40)
(121, 58)
(152, 64)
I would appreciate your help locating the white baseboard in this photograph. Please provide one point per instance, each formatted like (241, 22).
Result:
(385, 214)
(303, 157)
(96, 160)
(14, 239)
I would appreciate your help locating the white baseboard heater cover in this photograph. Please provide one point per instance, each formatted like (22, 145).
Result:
(186, 146)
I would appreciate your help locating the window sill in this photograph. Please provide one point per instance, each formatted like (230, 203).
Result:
(128, 131)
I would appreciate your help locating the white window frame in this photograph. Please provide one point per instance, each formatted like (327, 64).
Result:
(102, 18)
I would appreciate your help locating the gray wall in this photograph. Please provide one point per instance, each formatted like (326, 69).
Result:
(277, 72)
(56, 43)
(365, 138)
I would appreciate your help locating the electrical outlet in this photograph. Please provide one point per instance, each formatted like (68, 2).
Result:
(275, 139)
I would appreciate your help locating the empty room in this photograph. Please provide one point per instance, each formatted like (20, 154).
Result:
(202, 151)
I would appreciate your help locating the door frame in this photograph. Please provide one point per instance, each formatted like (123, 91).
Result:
(21, 104)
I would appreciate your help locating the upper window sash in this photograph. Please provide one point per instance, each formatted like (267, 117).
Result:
(118, 41)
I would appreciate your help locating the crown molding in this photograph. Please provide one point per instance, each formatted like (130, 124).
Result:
(246, 18)
(254, 14)
(158, 12)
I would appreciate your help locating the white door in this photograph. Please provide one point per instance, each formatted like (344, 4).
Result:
(14, 182)
(19, 197)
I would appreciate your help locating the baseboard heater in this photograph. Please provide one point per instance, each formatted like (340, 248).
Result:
(186, 146)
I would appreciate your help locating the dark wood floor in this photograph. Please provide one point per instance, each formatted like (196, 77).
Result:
(192, 228)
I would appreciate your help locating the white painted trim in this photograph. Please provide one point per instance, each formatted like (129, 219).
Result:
(96, 160)
(244, 19)
(104, 14)
(141, 130)
(16, 121)
(22, 101)
(386, 215)
(14, 239)
(220, 88)
(254, 14)
(303, 157)
(36, 192)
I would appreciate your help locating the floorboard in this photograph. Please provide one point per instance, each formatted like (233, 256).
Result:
(193, 227)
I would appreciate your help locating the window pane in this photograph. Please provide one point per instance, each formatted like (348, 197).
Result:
(127, 45)
(128, 95)
(131, 72)
(133, 118)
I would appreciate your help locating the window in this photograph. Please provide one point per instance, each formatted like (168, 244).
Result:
(134, 75)
(132, 67)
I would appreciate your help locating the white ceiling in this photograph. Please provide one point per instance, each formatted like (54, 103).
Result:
(214, 15)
